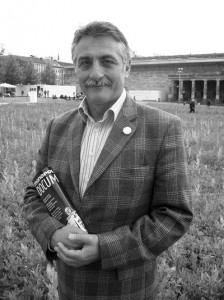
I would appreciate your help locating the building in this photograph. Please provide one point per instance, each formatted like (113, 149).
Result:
(181, 77)
(40, 65)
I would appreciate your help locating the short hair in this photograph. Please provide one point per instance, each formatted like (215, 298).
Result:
(97, 29)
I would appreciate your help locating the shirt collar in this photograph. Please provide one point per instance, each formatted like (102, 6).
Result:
(115, 108)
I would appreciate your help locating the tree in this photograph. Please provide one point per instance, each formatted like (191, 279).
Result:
(48, 76)
(13, 71)
(2, 50)
(2, 70)
(30, 74)
(2, 63)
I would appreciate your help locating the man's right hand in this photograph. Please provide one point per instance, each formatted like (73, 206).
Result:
(61, 235)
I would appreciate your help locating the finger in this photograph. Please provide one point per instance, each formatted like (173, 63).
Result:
(70, 257)
(65, 259)
(69, 253)
(80, 238)
(59, 253)
(76, 229)
(64, 253)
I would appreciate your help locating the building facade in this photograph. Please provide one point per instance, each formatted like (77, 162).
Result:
(181, 77)
(40, 65)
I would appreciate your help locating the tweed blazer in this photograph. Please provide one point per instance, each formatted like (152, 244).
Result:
(138, 200)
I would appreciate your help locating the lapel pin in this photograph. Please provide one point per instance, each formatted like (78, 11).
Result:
(127, 130)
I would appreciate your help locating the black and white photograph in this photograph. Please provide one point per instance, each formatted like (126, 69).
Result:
(111, 150)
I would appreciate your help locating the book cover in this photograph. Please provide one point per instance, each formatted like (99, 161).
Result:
(57, 204)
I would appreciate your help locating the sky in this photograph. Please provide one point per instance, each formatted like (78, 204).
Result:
(152, 27)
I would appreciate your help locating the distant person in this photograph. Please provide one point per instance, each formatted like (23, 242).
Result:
(192, 106)
(22, 93)
(208, 103)
(123, 166)
(45, 93)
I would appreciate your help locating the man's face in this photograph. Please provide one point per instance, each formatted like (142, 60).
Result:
(100, 70)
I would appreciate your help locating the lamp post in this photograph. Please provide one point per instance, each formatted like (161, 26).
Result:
(179, 71)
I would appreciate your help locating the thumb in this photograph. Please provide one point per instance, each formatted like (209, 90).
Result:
(78, 237)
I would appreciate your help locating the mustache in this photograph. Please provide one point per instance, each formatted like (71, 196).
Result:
(97, 83)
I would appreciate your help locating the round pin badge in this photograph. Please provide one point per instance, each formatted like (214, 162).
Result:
(127, 130)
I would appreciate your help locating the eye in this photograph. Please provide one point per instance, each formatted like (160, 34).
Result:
(107, 62)
(84, 64)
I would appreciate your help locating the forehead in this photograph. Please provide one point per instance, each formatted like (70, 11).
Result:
(97, 47)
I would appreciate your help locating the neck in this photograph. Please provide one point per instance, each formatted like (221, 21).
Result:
(97, 111)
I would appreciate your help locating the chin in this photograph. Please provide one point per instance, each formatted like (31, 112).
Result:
(99, 94)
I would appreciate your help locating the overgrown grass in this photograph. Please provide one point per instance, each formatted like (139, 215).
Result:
(191, 270)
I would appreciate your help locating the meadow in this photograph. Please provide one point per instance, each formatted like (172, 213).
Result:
(192, 269)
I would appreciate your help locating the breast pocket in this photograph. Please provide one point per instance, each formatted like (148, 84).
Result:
(136, 180)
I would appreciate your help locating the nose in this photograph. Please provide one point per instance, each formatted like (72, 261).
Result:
(96, 71)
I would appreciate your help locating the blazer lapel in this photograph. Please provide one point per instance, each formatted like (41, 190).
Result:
(74, 147)
(122, 131)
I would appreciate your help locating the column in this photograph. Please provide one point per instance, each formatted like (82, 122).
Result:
(170, 93)
(205, 91)
(217, 90)
(180, 98)
(192, 89)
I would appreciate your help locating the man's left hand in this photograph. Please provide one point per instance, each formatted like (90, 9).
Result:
(77, 258)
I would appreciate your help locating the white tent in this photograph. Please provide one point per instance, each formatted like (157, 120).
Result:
(7, 85)
(7, 90)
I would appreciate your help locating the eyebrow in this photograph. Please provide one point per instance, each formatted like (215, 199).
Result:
(106, 56)
(83, 58)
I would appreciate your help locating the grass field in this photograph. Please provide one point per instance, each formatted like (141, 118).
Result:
(191, 270)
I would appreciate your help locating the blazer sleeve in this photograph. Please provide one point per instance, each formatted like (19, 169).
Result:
(170, 214)
(41, 224)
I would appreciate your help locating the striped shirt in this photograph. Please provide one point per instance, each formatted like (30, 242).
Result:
(94, 138)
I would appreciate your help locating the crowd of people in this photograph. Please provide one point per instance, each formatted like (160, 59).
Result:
(8, 93)
(77, 97)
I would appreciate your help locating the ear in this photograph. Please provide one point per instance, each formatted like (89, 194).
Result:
(127, 68)
(75, 73)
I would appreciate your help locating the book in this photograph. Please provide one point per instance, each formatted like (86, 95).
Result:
(54, 198)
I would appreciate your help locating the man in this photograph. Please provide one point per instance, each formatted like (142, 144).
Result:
(123, 167)
(192, 106)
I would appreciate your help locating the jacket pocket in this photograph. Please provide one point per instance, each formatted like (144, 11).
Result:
(137, 270)
(138, 172)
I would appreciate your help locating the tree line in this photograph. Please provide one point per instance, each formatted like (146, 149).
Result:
(15, 71)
